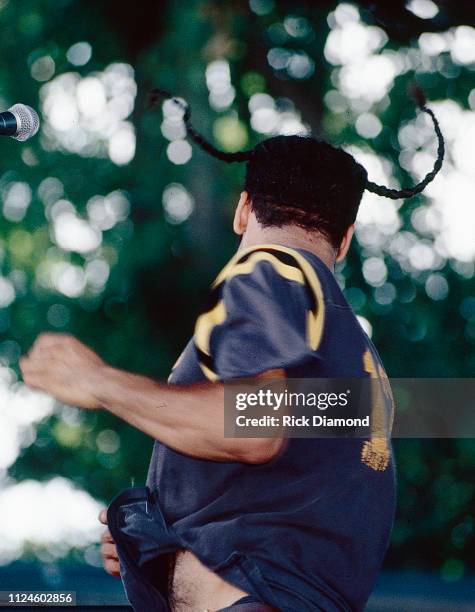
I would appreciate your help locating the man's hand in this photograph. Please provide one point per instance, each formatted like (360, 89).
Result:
(110, 557)
(65, 368)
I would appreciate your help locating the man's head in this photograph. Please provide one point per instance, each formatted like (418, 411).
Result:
(296, 180)
(300, 182)
(304, 182)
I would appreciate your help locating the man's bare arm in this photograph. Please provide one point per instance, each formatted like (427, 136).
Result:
(189, 419)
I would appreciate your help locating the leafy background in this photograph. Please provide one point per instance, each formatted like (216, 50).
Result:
(112, 226)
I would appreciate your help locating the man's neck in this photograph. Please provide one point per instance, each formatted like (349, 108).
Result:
(294, 237)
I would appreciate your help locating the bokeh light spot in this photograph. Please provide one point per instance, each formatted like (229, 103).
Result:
(79, 54)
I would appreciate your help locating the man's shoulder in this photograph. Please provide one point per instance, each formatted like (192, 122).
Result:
(269, 264)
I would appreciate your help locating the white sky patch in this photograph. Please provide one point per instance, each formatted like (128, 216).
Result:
(297, 63)
(463, 46)
(105, 211)
(267, 118)
(301, 65)
(459, 41)
(437, 287)
(68, 279)
(375, 271)
(16, 200)
(422, 256)
(21, 410)
(173, 127)
(451, 193)
(353, 42)
(445, 227)
(79, 53)
(368, 125)
(179, 152)
(96, 273)
(72, 233)
(63, 517)
(57, 274)
(369, 79)
(43, 68)
(365, 324)
(91, 97)
(425, 9)
(87, 115)
(7, 292)
(218, 80)
(378, 218)
(365, 73)
(178, 203)
(122, 144)
(453, 199)
(433, 43)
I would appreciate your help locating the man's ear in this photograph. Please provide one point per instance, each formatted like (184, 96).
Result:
(345, 244)
(241, 216)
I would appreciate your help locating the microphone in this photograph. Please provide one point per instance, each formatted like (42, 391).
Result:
(20, 122)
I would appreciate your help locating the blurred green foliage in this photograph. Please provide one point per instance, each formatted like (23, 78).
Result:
(159, 271)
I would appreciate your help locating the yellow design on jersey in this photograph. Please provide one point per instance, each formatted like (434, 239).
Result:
(302, 274)
(205, 324)
(315, 320)
(376, 452)
(246, 267)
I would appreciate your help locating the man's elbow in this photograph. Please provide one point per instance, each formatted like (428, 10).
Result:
(260, 450)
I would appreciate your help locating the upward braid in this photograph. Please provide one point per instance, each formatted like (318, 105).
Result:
(240, 156)
(408, 192)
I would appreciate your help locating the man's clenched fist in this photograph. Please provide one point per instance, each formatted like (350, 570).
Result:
(63, 367)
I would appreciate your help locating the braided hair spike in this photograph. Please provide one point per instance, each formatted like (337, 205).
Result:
(241, 156)
(245, 156)
(408, 192)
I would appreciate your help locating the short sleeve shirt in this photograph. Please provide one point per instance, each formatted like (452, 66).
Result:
(309, 529)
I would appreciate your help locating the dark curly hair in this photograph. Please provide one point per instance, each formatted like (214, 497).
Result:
(304, 181)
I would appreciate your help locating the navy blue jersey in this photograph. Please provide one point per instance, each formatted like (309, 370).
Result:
(309, 529)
